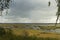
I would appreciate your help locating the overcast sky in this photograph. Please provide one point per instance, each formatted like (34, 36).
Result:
(30, 11)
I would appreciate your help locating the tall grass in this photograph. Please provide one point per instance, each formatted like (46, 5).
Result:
(8, 35)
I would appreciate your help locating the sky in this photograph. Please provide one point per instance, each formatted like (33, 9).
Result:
(30, 11)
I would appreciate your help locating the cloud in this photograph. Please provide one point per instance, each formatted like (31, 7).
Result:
(27, 20)
(23, 8)
(31, 11)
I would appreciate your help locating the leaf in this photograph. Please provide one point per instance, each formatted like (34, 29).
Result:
(49, 3)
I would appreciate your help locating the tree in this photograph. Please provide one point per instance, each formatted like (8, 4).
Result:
(4, 4)
(58, 11)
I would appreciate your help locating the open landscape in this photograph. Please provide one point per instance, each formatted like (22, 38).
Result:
(30, 31)
(29, 19)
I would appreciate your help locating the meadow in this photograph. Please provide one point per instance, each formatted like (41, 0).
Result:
(26, 34)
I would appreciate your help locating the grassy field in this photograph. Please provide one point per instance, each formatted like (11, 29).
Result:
(26, 34)
(37, 33)
(21, 34)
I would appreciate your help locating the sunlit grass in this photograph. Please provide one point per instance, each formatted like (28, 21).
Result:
(20, 33)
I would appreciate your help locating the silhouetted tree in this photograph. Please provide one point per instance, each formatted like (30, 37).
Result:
(58, 11)
(4, 4)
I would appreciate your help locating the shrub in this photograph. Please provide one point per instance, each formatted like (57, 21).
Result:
(2, 31)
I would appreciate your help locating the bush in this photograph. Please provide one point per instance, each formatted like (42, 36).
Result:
(2, 31)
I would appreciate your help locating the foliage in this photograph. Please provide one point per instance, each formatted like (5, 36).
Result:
(4, 4)
(2, 31)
